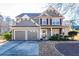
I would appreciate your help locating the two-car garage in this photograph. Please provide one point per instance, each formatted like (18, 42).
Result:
(26, 35)
(26, 30)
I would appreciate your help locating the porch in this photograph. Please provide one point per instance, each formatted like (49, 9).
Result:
(48, 32)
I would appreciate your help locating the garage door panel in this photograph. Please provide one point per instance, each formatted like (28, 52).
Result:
(20, 35)
(32, 35)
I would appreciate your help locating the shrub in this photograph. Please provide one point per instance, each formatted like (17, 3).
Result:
(7, 35)
(72, 34)
(54, 37)
(58, 37)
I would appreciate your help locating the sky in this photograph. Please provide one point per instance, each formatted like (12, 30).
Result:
(14, 9)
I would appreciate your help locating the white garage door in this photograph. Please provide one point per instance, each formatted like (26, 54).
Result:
(19, 35)
(28, 35)
(32, 35)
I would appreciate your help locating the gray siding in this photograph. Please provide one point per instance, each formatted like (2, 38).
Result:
(19, 35)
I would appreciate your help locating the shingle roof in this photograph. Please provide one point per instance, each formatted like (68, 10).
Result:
(53, 13)
(29, 14)
(26, 23)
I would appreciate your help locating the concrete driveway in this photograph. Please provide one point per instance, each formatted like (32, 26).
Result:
(20, 48)
(28, 48)
(39, 48)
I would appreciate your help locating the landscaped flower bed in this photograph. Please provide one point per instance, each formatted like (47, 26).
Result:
(58, 37)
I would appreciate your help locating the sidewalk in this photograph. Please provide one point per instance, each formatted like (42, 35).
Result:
(2, 42)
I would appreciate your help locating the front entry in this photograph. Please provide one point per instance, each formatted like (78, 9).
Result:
(44, 34)
(55, 31)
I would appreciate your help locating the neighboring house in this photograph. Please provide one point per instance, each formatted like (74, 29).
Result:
(33, 26)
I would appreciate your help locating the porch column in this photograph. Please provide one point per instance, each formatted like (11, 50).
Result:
(51, 31)
(40, 32)
(12, 34)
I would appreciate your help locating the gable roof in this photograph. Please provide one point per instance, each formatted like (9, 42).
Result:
(26, 23)
(48, 12)
(29, 14)
(51, 12)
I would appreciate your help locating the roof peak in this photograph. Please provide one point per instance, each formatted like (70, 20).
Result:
(50, 7)
(29, 14)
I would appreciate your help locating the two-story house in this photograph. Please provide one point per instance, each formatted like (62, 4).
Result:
(33, 26)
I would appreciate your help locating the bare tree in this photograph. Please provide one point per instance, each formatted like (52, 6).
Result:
(69, 9)
(65, 7)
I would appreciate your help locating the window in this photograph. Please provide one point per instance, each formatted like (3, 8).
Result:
(55, 22)
(44, 21)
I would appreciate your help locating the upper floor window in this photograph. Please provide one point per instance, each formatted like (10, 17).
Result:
(44, 21)
(55, 22)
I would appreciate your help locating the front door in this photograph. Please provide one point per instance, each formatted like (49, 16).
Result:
(44, 34)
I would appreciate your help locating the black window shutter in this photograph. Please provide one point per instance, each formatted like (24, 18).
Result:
(50, 21)
(60, 21)
(41, 21)
(47, 21)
